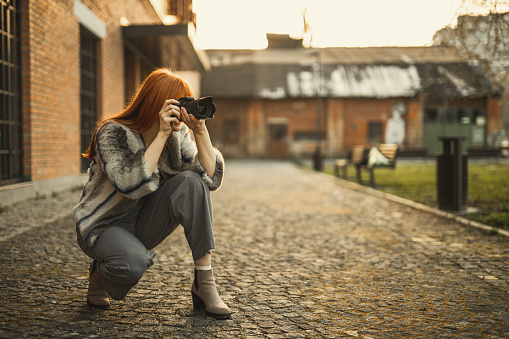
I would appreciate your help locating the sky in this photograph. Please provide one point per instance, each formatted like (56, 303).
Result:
(233, 24)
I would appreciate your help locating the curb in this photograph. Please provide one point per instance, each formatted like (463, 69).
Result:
(413, 204)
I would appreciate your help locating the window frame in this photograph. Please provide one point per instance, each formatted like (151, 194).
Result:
(11, 111)
(89, 94)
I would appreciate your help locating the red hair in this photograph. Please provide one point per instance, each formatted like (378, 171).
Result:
(142, 111)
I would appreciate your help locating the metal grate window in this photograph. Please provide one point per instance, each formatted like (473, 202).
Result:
(11, 147)
(375, 132)
(88, 90)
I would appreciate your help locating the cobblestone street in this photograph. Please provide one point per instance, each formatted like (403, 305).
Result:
(299, 255)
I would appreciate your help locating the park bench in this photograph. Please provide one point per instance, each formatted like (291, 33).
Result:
(354, 156)
(359, 158)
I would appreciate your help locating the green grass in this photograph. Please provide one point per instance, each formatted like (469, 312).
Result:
(488, 188)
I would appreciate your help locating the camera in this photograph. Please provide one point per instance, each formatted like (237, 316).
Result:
(202, 108)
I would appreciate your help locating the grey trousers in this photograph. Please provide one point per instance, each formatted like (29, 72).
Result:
(123, 251)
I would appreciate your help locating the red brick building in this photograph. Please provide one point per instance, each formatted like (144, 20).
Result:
(65, 64)
(285, 100)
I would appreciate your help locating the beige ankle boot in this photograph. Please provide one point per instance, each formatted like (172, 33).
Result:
(96, 296)
(205, 296)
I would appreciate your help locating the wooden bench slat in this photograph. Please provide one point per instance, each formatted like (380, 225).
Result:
(388, 150)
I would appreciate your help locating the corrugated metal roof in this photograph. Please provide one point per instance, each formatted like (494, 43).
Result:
(373, 81)
(377, 72)
(335, 55)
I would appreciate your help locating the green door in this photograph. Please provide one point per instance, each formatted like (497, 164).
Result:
(467, 122)
(432, 131)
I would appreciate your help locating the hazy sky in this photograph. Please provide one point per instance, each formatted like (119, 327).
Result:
(224, 24)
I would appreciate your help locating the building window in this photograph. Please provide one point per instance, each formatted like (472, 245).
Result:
(88, 89)
(308, 136)
(11, 147)
(430, 115)
(278, 132)
(231, 131)
(375, 132)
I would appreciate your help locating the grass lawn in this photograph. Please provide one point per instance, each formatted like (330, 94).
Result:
(488, 187)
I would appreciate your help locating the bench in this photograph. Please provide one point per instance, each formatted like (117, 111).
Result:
(341, 165)
(358, 157)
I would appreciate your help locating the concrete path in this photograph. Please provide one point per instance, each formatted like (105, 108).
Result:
(299, 255)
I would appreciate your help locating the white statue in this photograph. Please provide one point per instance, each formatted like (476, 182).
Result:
(395, 129)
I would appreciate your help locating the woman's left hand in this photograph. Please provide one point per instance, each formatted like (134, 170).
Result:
(195, 125)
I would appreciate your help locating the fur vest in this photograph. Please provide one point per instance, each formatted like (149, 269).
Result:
(119, 175)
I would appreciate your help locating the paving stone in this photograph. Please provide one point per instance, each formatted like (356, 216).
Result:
(299, 255)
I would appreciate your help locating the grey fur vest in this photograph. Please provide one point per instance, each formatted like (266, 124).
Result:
(119, 175)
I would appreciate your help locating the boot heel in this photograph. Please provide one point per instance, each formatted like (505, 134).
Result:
(198, 304)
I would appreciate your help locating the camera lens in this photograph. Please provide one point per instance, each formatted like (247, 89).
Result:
(202, 108)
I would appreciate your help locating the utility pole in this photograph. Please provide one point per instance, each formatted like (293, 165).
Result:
(317, 75)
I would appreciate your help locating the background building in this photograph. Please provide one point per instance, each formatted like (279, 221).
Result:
(285, 100)
(66, 64)
(484, 37)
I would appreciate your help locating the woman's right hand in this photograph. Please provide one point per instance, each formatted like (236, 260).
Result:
(169, 117)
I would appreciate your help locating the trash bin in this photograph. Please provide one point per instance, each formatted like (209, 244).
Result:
(452, 175)
(317, 159)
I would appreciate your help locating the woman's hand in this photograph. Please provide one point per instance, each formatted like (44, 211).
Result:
(195, 125)
(169, 117)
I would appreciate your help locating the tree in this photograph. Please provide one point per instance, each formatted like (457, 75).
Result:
(481, 34)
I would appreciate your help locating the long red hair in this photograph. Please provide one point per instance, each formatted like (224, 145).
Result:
(142, 111)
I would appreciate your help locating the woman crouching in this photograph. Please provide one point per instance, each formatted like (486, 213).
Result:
(146, 178)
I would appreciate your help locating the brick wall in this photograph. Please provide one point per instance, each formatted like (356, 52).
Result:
(358, 112)
(344, 122)
(51, 78)
(53, 108)
(230, 110)
(111, 86)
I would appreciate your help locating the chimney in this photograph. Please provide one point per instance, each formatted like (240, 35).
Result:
(283, 41)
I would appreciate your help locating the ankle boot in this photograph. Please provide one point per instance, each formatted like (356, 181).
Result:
(205, 296)
(96, 296)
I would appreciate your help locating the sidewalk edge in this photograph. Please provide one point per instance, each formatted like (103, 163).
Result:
(413, 204)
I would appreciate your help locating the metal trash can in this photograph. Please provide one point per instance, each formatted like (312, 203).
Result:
(317, 159)
(452, 175)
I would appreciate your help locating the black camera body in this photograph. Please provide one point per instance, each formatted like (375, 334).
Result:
(202, 108)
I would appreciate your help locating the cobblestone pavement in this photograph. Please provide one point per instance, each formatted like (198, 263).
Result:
(299, 255)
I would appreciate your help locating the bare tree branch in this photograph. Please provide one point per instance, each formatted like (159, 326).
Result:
(481, 33)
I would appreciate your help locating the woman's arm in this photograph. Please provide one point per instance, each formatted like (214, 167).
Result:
(166, 119)
(153, 152)
(206, 153)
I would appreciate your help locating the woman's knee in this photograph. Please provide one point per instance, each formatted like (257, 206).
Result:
(187, 184)
(120, 273)
(126, 268)
(191, 178)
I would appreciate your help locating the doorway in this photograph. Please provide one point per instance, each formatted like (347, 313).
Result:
(278, 138)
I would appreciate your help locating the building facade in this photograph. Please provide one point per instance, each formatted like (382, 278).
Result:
(286, 100)
(484, 37)
(66, 64)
